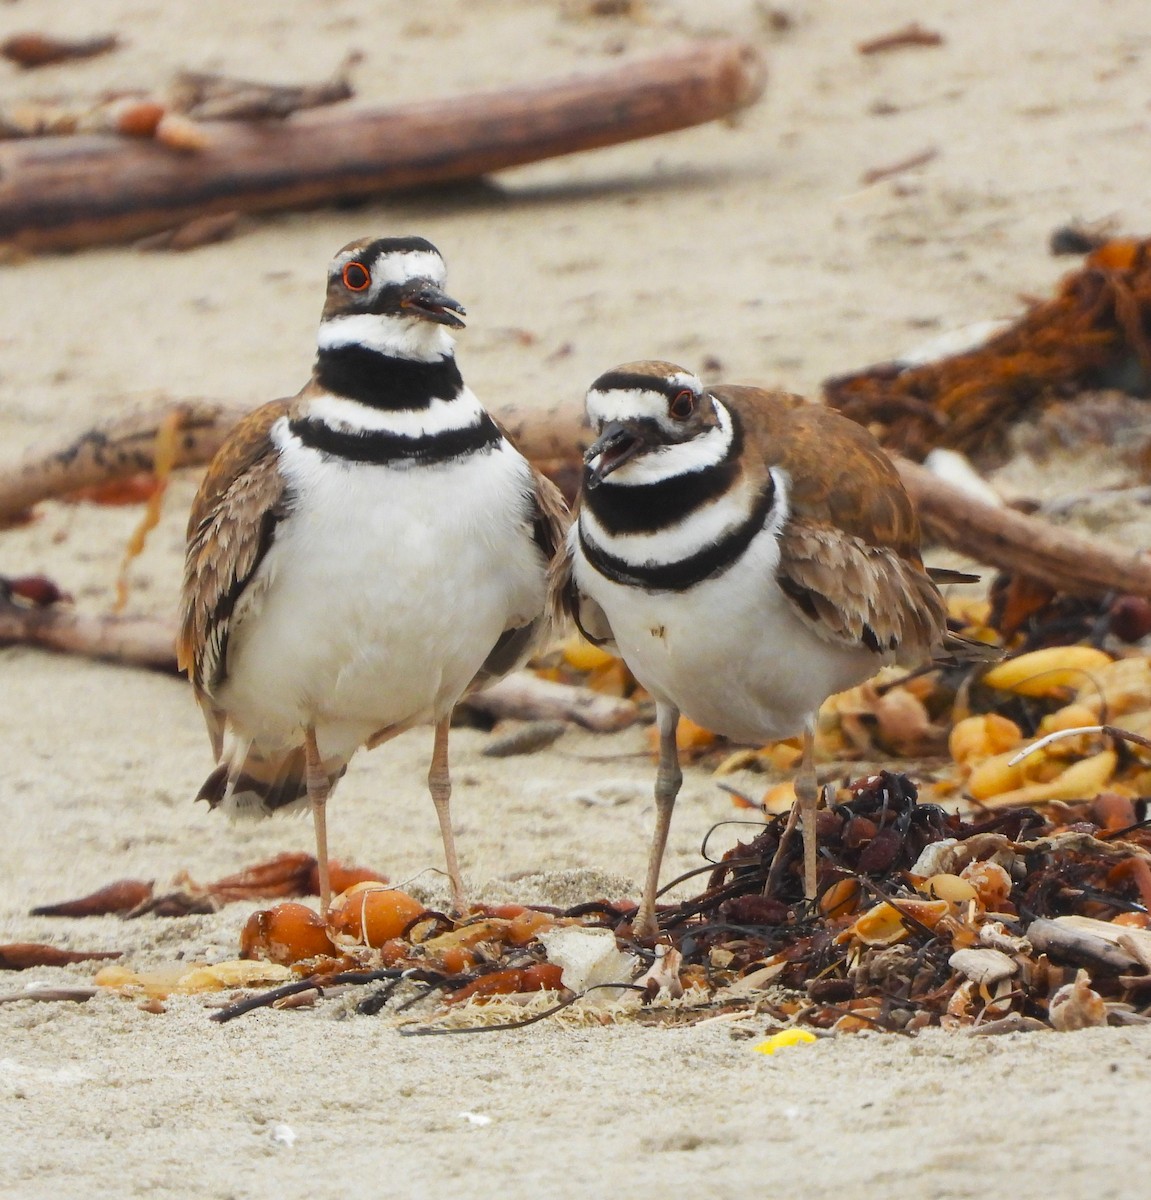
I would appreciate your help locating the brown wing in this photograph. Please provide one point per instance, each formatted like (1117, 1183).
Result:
(849, 550)
(550, 516)
(233, 521)
(856, 594)
(839, 474)
(567, 603)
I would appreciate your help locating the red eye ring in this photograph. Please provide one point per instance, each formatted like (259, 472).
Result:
(682, 405)
(356, 277)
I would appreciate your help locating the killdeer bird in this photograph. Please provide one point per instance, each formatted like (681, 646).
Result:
(749, 555)
(361, 555)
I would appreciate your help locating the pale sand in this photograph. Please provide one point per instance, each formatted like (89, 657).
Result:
(756, 244)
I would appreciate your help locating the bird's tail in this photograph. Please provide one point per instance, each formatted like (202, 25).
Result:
(958, 649)
(257, 781)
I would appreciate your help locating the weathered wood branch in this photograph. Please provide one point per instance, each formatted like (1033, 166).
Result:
(113, 449)
(525, 696)
(131, 641)
(64, 193)
(1000, 537)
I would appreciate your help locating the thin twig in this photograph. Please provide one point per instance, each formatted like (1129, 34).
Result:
(438, 1030)
(318, 982)
(1109, 730)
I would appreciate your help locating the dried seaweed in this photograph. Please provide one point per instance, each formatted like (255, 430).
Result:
(1015, 920)
(1095, 332)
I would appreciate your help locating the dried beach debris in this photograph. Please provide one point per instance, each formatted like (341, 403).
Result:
(889, 170)
(19, 956)
(1076, 1006)
(909, 36)
(208, 96)
(924, 918)
(164, 457)
(183, 979)
(288, 874)
(200, 231)
(285, 934)
(120, 897)
(1092, 333)
(172, 117)
(32, 50)
(525, 738)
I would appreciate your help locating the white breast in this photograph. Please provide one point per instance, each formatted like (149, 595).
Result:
(730, 653)
(382, 593)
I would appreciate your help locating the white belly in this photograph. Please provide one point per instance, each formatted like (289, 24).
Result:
(729, 653)
(381, 596)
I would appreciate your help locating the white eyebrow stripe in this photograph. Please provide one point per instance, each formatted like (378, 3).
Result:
(393, 268)
(622, 404)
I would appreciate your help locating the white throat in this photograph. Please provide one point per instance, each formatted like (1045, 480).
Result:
(398, 337)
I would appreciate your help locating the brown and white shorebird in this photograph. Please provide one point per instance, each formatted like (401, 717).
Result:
(361, 555)
(749, 555)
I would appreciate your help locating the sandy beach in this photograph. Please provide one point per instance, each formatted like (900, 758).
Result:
(751, 249)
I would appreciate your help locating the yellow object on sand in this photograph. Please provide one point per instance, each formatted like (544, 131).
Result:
(783, 1039)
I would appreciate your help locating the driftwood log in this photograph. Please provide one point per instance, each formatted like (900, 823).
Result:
(65, 193)
(1012, 541)
(553, 436)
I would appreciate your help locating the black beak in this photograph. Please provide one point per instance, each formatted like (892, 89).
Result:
(615, 445)
(427, 301)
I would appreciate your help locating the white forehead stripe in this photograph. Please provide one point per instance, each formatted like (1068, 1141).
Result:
(412, 264)
(622, 404)
(395, 268)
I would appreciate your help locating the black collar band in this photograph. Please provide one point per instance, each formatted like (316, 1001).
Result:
(381, 447)
(678, 576)
(383, 381)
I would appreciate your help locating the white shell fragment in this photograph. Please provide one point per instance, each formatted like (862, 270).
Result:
(588, 958)
(984, 967)
(663, 974)
(995, 935)
(946, 857)
(282, 1135)
(1077, 1006)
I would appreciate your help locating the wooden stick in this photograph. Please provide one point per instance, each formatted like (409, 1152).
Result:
(1000, 537)
(64, 193)
(112, 450)
(131, 641)
(528, 697)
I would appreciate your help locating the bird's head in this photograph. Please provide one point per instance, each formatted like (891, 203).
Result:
(642, 409)
(388, 294)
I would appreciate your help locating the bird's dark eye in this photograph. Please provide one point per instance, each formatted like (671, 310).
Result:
(356, 277)
(682, 405)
